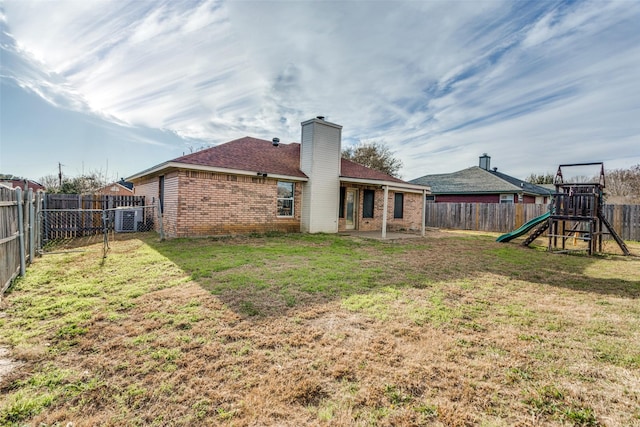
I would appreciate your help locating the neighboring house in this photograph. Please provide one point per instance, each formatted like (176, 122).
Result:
(253, 185)
(120, 188)
(481, 184)
(25, 184)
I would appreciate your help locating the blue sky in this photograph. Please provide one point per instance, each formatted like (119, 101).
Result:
(117, 86)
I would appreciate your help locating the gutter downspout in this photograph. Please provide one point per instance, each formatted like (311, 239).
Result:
(384, 212)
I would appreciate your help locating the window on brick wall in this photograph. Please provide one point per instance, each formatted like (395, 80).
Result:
(285, 198)
(398, 205)
(367, 204)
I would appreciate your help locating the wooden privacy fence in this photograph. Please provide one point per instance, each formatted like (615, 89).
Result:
(90, 201)
(625, 219)
(19, 232)
(505, 217)
(68, 216)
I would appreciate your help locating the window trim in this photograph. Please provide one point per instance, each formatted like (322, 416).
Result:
(507, 198)
(292, 198)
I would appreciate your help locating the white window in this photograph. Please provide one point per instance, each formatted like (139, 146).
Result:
(285, 198)
(506, 198)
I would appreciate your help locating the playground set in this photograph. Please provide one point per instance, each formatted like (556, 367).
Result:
(575, 214)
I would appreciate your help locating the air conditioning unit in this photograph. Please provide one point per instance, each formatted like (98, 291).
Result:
(128, 219)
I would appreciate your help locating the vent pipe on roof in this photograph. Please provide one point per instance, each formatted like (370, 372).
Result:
(275, 141)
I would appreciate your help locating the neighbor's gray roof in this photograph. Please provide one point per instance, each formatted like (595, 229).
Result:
(477, 180)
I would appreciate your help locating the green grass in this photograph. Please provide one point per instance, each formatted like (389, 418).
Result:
(458, 330)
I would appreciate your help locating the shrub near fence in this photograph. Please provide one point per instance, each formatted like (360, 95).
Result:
(19, 232)
(505, 217)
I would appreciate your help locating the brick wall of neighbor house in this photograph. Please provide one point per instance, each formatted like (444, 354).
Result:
(412, 219)
(220, 204)
(467, 198)
(478, 198)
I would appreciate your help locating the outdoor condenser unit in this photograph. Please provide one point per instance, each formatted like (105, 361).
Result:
(128, 219)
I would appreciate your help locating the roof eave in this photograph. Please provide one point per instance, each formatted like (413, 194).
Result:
(410, 188)
(178, 165)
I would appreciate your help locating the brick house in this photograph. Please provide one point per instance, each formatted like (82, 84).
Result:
(253, 185)
(120, 188)
(481, 184)
(25, 184)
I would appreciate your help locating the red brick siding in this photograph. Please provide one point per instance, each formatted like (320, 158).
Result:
(207, 204)
(468, 198)
(412, 215)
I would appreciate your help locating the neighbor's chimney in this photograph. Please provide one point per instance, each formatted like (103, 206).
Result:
(485, 162)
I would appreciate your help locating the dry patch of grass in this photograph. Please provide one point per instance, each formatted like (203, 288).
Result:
(449, 330)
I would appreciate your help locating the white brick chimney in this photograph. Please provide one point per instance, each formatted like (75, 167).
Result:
(320, 152)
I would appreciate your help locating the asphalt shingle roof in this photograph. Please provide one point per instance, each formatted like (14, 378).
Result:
(477, 180)
(249, 154)
(252, 154)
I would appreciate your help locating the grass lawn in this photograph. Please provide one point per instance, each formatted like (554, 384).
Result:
(451, 330)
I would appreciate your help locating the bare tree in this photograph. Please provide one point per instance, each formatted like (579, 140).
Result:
(375, 155)
(83, 184)
(540, 179)
(623, 185)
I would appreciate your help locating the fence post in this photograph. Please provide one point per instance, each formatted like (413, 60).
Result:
(105, 231)
(23, 267)
(160, 225)
(32, 226)
(45, 219)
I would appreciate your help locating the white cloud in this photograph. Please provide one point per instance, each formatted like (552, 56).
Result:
(532, 83)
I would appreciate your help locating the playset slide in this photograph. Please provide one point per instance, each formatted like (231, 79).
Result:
(526, 227)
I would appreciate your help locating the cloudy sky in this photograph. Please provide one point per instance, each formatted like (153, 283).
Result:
(118, 86)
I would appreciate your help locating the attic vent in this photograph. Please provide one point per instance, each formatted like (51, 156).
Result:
(275, 141)
(320, 117)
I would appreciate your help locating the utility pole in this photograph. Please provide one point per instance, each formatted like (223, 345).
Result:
(60, 174)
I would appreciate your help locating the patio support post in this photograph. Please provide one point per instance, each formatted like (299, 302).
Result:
(424, 210)
(384, 211)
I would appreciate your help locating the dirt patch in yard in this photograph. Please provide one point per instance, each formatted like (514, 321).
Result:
(7, 365)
